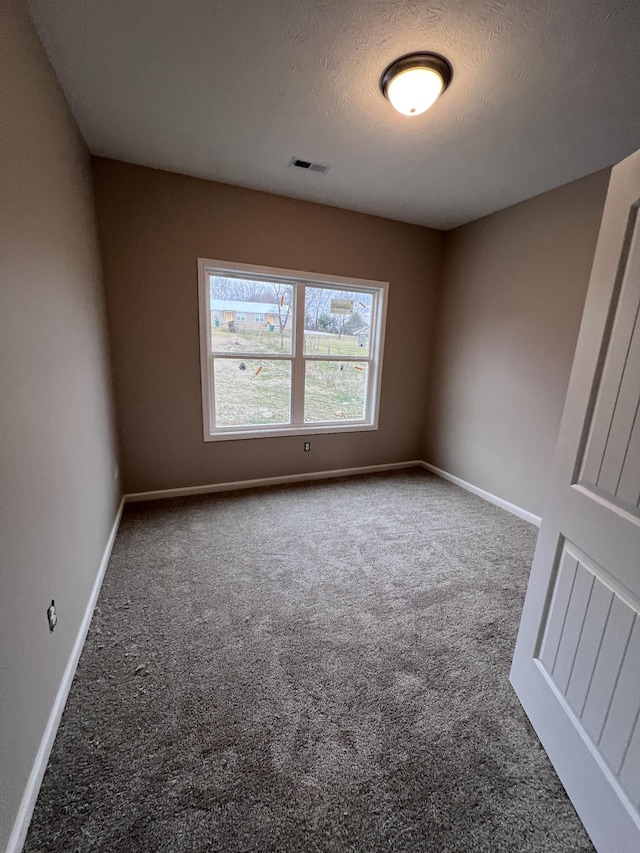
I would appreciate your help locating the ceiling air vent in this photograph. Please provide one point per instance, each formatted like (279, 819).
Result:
(322, 168)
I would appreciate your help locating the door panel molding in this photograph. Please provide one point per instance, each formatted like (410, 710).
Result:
(604, 393)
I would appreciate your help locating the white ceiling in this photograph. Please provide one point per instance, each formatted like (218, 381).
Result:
(543, 92)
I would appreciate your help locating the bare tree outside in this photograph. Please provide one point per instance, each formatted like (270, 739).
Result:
(283, 299)
(241, 290)
(316, 304)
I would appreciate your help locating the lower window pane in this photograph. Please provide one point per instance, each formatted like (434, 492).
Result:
(335, 391)
(252, 392)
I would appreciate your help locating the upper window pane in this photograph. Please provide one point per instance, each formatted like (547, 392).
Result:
(337, 322)
(250, 316)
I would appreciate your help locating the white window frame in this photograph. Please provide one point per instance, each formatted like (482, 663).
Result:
(298, 279)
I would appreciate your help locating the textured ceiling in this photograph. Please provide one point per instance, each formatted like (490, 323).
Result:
(543, 92)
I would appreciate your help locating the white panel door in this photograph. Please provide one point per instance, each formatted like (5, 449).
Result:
(576, 667)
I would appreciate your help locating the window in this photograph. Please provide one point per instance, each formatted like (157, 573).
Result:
(241, 317)
(310, 363)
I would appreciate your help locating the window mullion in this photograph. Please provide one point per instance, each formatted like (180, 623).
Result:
(212, 391)
(297, 380)
(261, 356)
(365, 359)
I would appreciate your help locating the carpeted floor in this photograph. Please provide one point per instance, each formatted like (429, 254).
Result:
(308, 668)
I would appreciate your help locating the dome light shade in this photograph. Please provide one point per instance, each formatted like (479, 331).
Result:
(413, 91)
(414, 82)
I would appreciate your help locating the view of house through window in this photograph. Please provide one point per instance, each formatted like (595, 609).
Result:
(283, 353)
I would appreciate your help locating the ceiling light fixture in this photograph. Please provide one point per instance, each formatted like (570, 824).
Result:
(414, 82)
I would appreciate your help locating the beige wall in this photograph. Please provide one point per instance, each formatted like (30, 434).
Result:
(153, 227)
(511, 301)
(511, 290)
(57, 456)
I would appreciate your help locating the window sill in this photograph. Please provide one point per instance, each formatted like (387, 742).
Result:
(280, 431)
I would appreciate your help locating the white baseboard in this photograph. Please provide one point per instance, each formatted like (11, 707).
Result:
(494, 499)
(160, 494)
(27, 805)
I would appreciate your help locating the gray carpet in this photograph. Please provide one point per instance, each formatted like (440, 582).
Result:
(318, 667)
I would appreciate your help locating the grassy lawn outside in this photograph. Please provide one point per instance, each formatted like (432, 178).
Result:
(334, 391)
(248, 339)
(256, 391)
(256, 340)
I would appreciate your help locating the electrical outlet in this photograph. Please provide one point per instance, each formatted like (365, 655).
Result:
(307, 446)
(52, 616)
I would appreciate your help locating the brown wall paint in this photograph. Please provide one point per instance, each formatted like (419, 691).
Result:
(57, 436)
(153, 227)
(511, 301)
